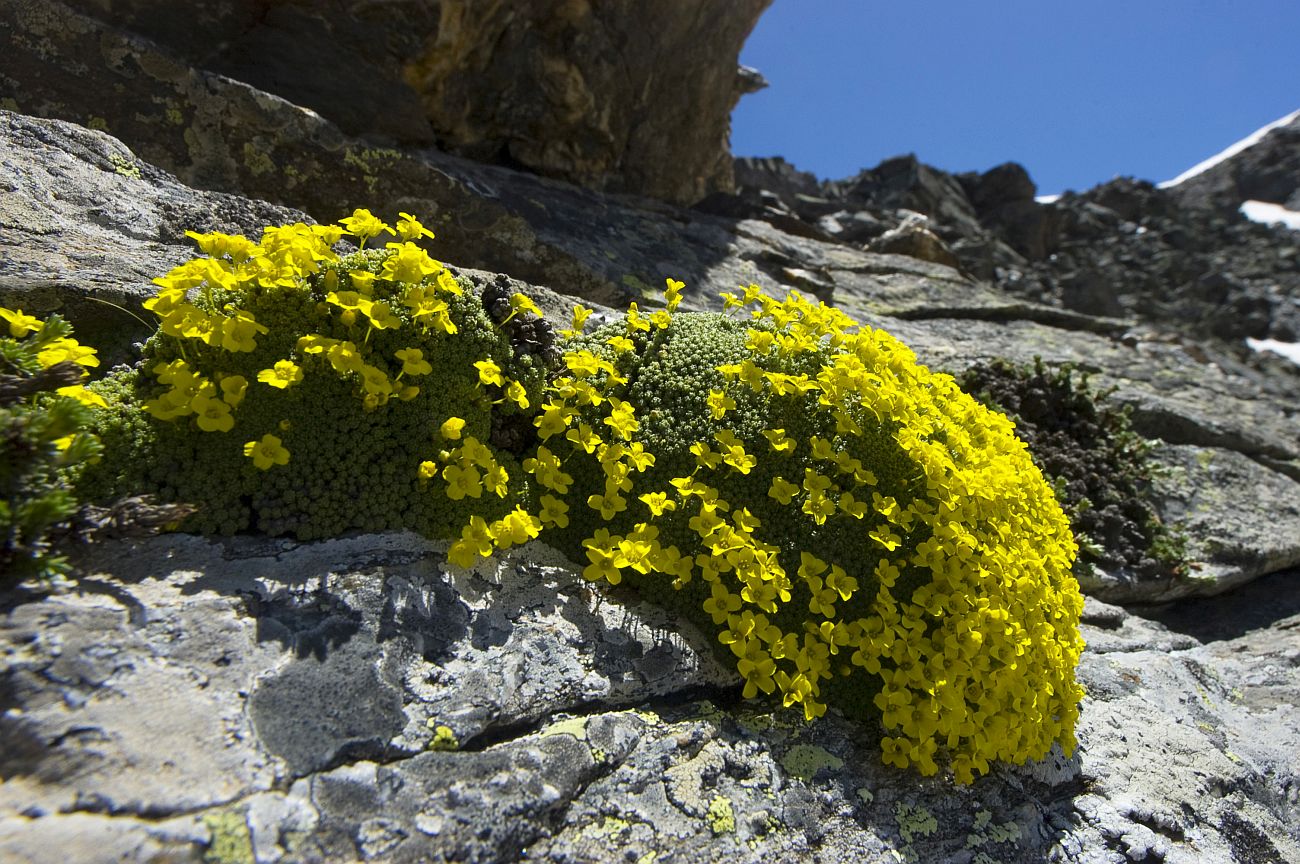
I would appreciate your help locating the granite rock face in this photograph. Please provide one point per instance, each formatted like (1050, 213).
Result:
(263, 700)
(595, 94)
(267, 701)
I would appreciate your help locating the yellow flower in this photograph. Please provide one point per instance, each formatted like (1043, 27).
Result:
(462, 481)
(409, 264)
(608, 505)
(634, 322)
(580, 315)
(522, 303)
(620, 344)
(621, 418)
(345, 358)
(448, 283)
(489, 372)
(19, 324)
(704, 455)
(66, 351)
(382, 316)
(413, 362)
(546, 467)
(284, 374)
(585, 437)
(451, 428)
(363, 281)
(82, 395)
(886, 538)
(553, 420)
(673, 293)
(213, 414)
(267, 452)
(554, 512)
(658, 502)
(475, 542)
(516, 393)
(720, 403)
(516, 528)
(409, 228)
(220, 245)
(238, 333)
(363, 225)
(780, 443)
(375, 382)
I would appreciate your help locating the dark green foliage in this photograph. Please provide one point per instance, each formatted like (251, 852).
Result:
(41, 448)
(1096, 462)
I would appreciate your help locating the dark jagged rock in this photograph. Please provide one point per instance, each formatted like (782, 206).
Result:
(1123, 249)
(1269, 170)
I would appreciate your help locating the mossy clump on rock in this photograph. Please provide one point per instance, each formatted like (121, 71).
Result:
(294, 390)
(857, 530)
(1088, 448)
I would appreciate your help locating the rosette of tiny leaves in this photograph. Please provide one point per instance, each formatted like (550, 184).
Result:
(44, 414)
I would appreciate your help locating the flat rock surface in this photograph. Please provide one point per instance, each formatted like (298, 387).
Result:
(279, 700)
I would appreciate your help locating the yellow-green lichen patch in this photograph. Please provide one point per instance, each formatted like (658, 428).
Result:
(805, 760)
(231, 842)
(636, 284)
(865, 795)
(608, 826)
(721, 816)
(984, 831)
(914, 821)
(443, 737)
(125, 166)
(256, 159)
(370, 162)
(575, 726)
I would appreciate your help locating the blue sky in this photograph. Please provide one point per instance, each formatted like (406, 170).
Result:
(1077, 92)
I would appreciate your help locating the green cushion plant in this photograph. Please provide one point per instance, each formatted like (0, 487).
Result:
(856, 530)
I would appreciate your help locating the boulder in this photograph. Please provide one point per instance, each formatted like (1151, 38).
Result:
(359, 700)
(568, 89)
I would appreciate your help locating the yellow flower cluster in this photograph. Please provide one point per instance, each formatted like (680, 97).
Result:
(61, 349)
(198, 306)
(958, 611)
(858, 531)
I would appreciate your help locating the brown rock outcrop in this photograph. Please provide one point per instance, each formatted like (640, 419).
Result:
(614, 96)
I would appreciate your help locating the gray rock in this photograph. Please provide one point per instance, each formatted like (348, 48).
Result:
(274, 701)
(85, 226)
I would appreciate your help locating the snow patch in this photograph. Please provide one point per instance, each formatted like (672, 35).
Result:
(1289, 350)
(1249, 141)
(1048, 199)
(1268, 213)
